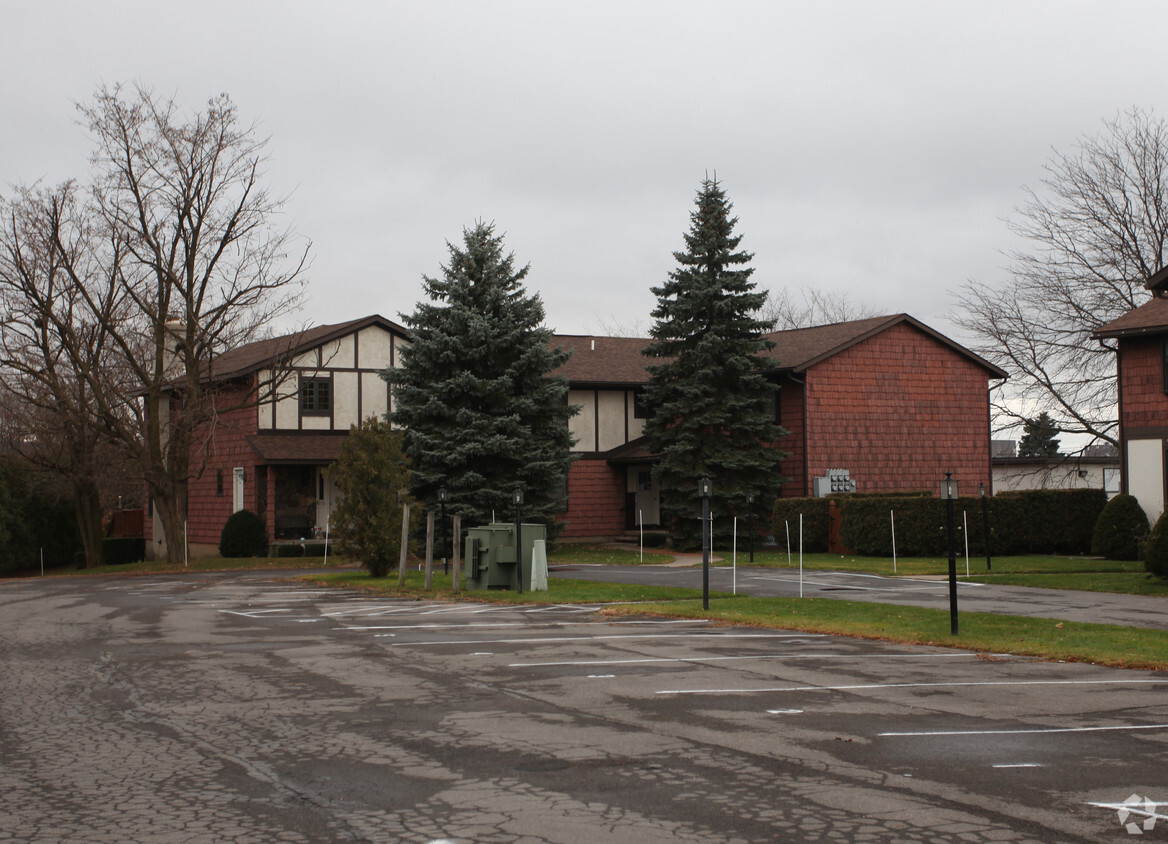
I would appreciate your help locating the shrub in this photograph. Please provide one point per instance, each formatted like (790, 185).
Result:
(243, 536)
(655, 540)
(1120, 529)
(1156, 552)
(814, 512)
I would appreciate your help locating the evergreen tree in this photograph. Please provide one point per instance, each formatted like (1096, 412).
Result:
(475, 394)
(712, 393)
(373, 473)
(1038, 437)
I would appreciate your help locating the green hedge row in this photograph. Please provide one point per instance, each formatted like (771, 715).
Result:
(1023, 522)
(123, 549)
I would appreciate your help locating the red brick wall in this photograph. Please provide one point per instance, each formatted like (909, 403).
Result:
(1141, 383)
(791, 418)
(596, 499)
(899, 410)
(207, 511)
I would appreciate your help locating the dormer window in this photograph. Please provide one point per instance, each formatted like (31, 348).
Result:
(316, 395)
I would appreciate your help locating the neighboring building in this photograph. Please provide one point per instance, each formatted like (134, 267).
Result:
(269, 457)
(1096, 467)
(1140, 339)
(888, 398)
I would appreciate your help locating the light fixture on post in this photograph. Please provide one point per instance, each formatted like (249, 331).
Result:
(704, 492)
(518, 499)
(949, 492)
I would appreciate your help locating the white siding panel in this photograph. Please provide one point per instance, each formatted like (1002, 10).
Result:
(288, 405)
(373, 395)
(345, 410)
(373, 348)
(1145, 475)
(316, 423)
(611, 418)
(583, 424)
(339, 354)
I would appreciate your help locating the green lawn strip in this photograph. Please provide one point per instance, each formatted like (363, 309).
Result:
(909, 566)
(560, 590)
(607, 555)
(1129, 583)
(1105, 644)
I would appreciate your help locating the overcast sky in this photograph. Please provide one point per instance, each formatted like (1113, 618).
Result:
(869, 148)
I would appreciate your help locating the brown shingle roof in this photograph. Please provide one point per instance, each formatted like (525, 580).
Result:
(298, 447)
(252, 356)
(1149, 318)
(599, 361)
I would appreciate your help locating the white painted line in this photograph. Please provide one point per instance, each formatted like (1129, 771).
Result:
(483, 653)
(553, 639)
(784, 711)
(858, 686)
(1031, 731)
(865, 657)
(1132, 808)
(360, 609)
(255, 613)
(600, 676)
(1021, 765)
(466, 625)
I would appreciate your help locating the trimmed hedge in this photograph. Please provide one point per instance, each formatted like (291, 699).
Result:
(1120, 529)
(243, 535)
(1156, 553)
(814, 512)
(1023, 522)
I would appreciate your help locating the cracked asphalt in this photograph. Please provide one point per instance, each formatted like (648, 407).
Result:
(249, 707)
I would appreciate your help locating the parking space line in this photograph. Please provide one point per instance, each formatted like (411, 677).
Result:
(1028, 731)
(463, 625)
(553, 639)
(746, 656)
(866, 686)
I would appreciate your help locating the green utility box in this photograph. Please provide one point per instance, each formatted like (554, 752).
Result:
(490, 555)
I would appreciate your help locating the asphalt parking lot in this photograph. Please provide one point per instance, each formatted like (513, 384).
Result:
(246, 707)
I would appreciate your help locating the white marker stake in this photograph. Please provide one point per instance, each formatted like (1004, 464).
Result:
(641, 519)
(42, 562)
(788, 524)
(734, 557)
(186, 546)
(965, 529)
(892, 518)
(800, 555)
(327, 520)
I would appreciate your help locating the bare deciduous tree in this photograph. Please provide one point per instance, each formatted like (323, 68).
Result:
(194, 264)
(817, 307)
(1098, 226)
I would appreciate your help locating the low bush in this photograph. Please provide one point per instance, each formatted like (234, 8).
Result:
(1156, 552)
(123, 549)
(815, 522)
(243, 535)
(1120, 529)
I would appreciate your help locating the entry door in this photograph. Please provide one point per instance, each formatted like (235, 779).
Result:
(237, 476)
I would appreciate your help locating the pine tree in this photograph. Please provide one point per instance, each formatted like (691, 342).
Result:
(1038, 437)
(475, 394)
(712, 394)
(373, 473)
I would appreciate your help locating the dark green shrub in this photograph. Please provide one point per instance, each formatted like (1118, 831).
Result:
(1156, 551)
(655, 540)
(1120, 529)
(123, 549)
(814, 512)
(243, 536)
(290, 549)
(316, 549)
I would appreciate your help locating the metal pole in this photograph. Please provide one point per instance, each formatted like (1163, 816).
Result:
(952, 554)
(519, 536)
(985, 517)
(750, 524)
(705, 543)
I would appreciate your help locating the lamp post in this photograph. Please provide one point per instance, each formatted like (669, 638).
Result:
(985, 517)
(949, 492)
(445, 541)
(750, 522)
(518, 498)
(704, 491)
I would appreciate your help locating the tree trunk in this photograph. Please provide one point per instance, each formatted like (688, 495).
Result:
(87, 506)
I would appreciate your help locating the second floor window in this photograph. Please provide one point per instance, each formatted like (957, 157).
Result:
(316, 395)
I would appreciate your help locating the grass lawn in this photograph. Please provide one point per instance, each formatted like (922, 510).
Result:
(560, 591)
(1128, 583)
(196, 564)
(1052, 639)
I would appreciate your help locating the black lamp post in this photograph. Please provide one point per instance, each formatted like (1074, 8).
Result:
(518, 498)
(949, 492)
(985, 517)
(750, 522)
(445, 540)
(704, 491)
